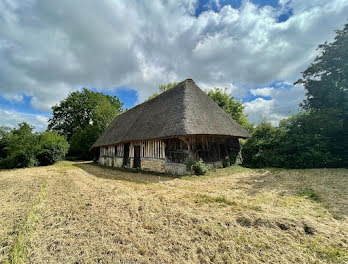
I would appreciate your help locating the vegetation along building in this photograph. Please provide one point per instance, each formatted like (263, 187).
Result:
(163, 133)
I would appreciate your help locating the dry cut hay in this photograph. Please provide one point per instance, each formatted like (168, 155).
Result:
(93, 214)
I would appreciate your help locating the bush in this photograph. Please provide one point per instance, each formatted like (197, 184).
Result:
(199, 167)
(23, 148)
(305, 140)
(262, 149)
(225, 163)
(189, 164)
(53, 147)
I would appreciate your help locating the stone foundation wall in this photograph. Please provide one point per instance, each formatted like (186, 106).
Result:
(216, 164)
(111, 161)
(118, 162)
(152, 165)
(176, 168)
(157, 165)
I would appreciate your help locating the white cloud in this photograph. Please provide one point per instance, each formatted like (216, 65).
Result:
(50, 48)
(283, 103)
(266, 91)
(13, 118)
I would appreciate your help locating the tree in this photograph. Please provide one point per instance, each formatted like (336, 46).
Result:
(82, 140)
(309, 141)
(82, 117)
(231, 106)
(317, 136)
(326, 79)
(21, 147)
(4, 137)
(262, 149)
(81, 109)
(162, 88)
(51, 148)
(326, 85)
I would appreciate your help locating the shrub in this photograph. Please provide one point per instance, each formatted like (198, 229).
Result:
(225, 163)
(53, 147)
(305, 140)
(23, 148)
(189, 164)
(199, 167)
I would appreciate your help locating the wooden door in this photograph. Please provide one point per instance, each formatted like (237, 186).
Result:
(126, 154)
(136, 156)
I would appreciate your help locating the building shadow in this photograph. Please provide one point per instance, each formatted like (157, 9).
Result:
(123, 174)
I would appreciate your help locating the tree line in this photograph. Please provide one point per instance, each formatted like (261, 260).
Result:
(315, 137)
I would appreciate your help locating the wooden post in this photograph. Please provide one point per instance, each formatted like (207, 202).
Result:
(190, 152)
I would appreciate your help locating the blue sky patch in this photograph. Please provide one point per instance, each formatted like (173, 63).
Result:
(276, 85)
(23, 106)
(205, 5)
(285, 16)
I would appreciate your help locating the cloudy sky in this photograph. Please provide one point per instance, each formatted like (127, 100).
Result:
(256, 49)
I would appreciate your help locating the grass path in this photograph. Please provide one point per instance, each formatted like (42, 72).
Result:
(24, 230)
(90, 214)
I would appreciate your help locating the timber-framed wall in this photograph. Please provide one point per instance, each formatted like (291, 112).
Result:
(170, 155)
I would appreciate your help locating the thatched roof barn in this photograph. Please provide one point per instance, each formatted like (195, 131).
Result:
(179, 124)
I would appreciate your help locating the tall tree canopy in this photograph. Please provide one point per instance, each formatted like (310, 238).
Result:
(231, 105)
(317, 136)
(326, 84)
(81, 109)
(326, 79)
(82, 117)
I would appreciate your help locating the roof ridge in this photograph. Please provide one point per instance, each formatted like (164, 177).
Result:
(185, 108)
(147, 101)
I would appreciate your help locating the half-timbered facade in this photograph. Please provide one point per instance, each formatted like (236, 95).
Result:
(166, 131)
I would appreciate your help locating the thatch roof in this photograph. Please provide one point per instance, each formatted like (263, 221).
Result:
(182, 110)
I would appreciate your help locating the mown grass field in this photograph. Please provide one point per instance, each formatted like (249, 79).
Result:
(82, 213)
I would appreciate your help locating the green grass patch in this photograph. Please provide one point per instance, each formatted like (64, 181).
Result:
(309, 193)
(327, 252)
(19, 247)
(203, 198)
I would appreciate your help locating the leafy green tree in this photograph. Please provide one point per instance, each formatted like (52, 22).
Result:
(262, 149)
(81, 109)
(317, 136)
(300, 141)
(326, 79)
(20, 147)
(232, 107)
(162, 88)
(326, 84)
(82, 140)
(82, 117)
(308, 142)
(4, 137)
(52, 147)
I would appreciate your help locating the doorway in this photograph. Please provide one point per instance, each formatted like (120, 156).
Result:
(136, 157)
(126, 155)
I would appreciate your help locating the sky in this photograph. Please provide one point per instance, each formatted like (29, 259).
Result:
(255, 49)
